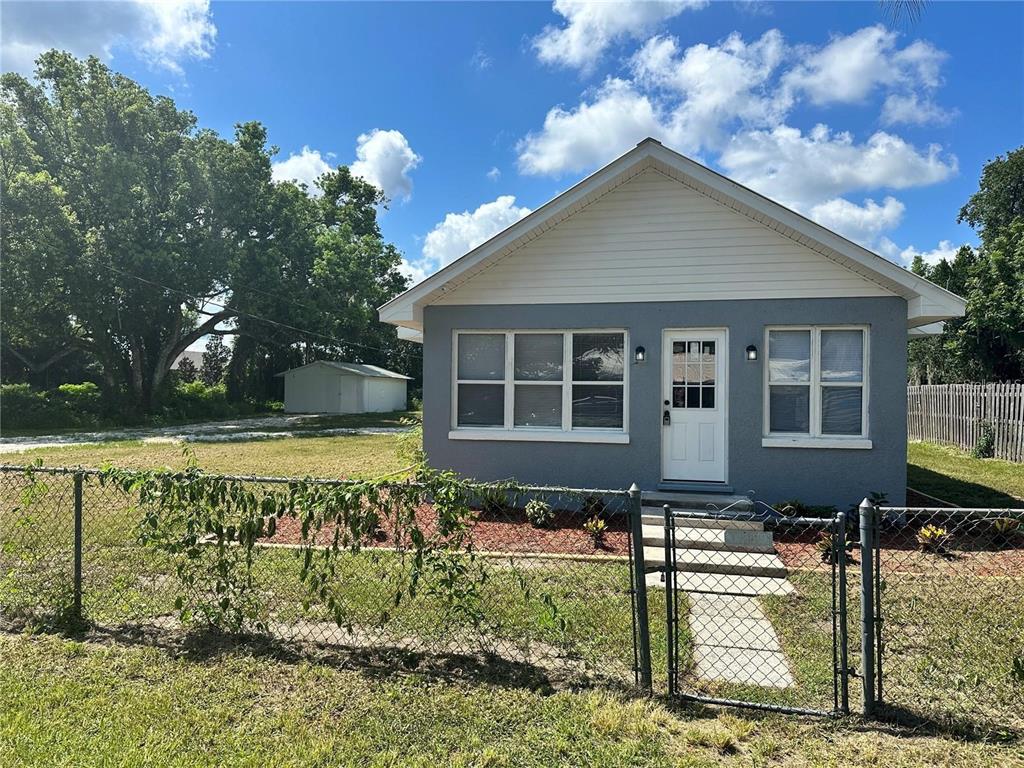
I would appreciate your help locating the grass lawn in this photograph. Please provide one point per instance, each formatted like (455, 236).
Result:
(953, 475)
(69, 703)
(338, 456)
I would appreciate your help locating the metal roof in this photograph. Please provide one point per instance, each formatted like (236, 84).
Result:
(357, 369)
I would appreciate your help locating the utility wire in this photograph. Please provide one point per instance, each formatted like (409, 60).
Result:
(239, 312)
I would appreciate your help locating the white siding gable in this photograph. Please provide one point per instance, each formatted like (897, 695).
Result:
(653, 238)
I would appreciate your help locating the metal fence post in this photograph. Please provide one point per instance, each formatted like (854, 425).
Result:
(868, 531)
(844, 668)
(77, 608)
(643, 635)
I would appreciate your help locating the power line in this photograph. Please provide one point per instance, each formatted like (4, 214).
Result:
(239, 312)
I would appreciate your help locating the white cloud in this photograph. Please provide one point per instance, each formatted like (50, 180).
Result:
(494, 174)
(615, 120)
(305, 168)
(944, 250)
(591, 27)
(385, 159)
(803, 170)
(480, 59)
(849, 68)
(165, 34)
(861, 223)
(460, 233)
(914, 110)
(716, 84)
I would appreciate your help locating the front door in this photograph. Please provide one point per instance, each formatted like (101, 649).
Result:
(694, 404)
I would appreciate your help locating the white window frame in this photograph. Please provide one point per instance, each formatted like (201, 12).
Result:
(814, 437)
(566, 432)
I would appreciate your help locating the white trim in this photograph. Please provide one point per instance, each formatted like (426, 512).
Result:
(509, 382)
(815, 437)
(539, 435)
(926, 301)
(777, 441)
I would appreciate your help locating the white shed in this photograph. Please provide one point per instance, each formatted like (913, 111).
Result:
(329, 387)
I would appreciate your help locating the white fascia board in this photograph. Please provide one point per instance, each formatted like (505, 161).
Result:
(932, 329)
(410, 334)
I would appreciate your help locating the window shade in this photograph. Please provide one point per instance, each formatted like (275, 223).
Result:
(538, 357)
(789, 355)
(482, 356)
(842, 356)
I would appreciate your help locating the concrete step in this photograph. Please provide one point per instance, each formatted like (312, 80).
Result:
(721, 539)
(718, 563)
(657, 517)
(701, 502)
(723, 584)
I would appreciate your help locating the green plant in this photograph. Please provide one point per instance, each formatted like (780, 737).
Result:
(1004, 529)
(493, 499)
(597, 528)
(797, 508)
(934, 539)
(539, 513)
(825, 543)
(594, 506)
(985, 448)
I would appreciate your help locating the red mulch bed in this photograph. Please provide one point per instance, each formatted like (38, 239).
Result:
(509, 532)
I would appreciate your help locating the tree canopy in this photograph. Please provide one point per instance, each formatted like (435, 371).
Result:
(129, 233)
(987, 344)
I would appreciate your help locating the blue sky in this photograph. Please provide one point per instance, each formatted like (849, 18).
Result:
(470, 115)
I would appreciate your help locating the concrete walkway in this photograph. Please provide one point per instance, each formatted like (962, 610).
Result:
(734, 642)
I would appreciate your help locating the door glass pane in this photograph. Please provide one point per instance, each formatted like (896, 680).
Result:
(678, 397)
(481, 405)
(707, 397)
(597, 406)
(538, 356)
(481, 355)
(678, 362)
(789, 408)
(597, 356)
(538, 405)
(841, 410)
(789, 355)
(842, 355)
(693, 397)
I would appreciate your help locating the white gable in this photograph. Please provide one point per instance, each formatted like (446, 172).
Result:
(654, 239)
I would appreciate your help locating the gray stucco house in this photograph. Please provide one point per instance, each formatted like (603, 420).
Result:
(659, 323)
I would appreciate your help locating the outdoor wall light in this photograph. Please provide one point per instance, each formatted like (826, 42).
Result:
(640, 355)
(751, 352)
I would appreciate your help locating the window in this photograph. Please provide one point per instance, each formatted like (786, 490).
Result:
(816, 381)
(541, 382)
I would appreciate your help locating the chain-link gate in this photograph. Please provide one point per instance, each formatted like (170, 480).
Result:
(756, 608)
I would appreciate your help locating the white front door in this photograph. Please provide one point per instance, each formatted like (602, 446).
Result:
(694, 404)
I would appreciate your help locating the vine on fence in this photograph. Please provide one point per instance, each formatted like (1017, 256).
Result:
(210, 526)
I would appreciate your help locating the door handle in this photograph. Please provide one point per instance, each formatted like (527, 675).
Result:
(666, 417)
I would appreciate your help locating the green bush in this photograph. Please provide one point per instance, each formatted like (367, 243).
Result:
(196, 400)
(985, 448)
(539, 513)
(68, 406)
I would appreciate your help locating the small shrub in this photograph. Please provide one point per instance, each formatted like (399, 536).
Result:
(934, 539)
(594, 506)
(539, 513)
(985, 448)
(1004, 530)
(826, 546)
(797, 508)
(597, 528)
(493, 500)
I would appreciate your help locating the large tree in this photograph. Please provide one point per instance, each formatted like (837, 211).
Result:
(987, 344)
(129, 233)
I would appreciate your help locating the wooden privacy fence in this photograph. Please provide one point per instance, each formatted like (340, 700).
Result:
(954, 413)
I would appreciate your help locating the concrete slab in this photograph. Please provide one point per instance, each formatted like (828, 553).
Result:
(722, 539)
(656, 518)
(723, 584)
(713, 562)
(766, 669)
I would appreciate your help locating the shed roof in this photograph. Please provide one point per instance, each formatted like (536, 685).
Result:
(356, 369)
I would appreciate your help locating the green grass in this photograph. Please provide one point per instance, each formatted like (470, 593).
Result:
(335, 457)
(92, 703)
(957, 477)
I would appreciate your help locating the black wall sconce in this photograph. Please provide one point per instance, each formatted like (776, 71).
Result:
(751, 352)
(640, 355)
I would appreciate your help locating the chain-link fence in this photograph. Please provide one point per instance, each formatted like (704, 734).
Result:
(535, 583)
(756, 615)
(950, 593)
